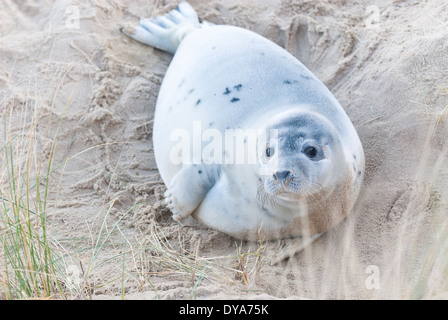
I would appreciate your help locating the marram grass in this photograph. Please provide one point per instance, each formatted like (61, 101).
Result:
(29, 267)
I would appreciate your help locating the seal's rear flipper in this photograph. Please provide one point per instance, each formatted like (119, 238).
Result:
(167, 32)
(189, 187)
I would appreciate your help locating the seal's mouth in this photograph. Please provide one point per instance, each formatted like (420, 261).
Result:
(285, 195)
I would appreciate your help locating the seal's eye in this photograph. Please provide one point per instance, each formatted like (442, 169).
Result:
(310, 152)
(268, 152)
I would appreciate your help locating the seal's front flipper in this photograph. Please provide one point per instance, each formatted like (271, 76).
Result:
(167, 32)
(189, 187)
(290, 247)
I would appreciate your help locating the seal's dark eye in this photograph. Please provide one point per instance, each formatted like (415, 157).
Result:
(268, 152)
(310, 152)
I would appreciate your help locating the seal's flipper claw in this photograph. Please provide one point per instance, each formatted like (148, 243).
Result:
(172, 204)
(167, 32)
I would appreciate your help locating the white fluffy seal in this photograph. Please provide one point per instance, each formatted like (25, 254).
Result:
(226, 82)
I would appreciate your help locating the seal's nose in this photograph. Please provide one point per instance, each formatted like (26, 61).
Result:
(282, 176)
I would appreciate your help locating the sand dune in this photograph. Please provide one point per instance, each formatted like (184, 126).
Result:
(83, 88)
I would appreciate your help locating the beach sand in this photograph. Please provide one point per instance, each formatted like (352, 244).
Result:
(85, 95)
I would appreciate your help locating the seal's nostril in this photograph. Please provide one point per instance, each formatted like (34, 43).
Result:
(282, 175)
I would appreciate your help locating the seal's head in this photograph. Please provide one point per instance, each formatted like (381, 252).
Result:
(302, 157)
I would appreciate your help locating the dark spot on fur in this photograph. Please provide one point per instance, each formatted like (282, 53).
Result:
(181, 83)
(200, 171)
(210, 124)
(191, 91)
(287, 82)
(227, 92)
(354, 167)
(354, 156)
(238, 87)
(198, 102)
(213, 48)
(234, 100)
(305, 77)
(359, 173)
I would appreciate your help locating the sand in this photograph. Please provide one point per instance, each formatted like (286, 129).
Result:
(92, 93)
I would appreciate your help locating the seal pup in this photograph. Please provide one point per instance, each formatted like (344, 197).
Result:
(309, 163)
